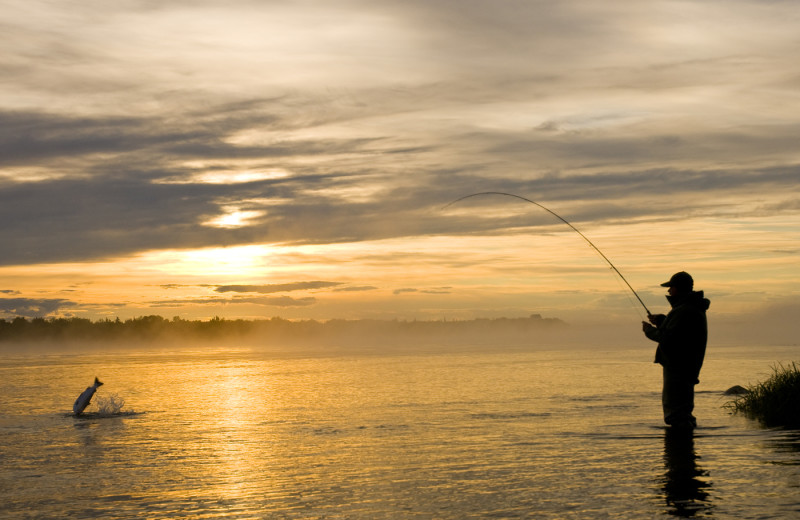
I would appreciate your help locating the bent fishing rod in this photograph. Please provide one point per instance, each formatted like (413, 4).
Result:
(562, 219)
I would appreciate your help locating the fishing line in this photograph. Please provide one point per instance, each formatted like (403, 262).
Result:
(629, 298)
(562, 219)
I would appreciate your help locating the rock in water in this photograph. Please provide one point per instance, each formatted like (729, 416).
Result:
(736, 390)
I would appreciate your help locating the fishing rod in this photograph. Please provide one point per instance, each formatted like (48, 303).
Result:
(562, 219)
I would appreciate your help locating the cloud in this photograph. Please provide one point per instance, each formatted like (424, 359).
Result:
(356, 288)
(32, 308)
(273, 288)
(65, 220)
(120, 210)
(435, 290)
(438, 290)
(280, 301)
(627, 120)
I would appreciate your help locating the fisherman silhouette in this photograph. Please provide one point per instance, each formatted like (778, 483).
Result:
(682, 335)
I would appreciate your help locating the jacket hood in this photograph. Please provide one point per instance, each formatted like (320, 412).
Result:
(694, 298)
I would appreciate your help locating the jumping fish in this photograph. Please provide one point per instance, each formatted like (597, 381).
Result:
(83, 400)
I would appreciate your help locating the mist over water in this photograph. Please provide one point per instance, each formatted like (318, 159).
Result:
(475, 433)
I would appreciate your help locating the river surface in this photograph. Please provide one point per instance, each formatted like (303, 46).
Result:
(242, 434)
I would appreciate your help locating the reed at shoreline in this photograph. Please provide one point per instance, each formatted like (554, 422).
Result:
(774, 402)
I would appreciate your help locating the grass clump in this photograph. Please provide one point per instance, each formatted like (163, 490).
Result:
(774, 402)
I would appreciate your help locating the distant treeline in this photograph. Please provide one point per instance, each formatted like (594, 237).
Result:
(149, 328)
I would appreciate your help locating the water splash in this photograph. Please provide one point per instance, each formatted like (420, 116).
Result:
(110, 405)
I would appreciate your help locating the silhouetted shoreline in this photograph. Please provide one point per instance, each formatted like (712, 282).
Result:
(156, 328)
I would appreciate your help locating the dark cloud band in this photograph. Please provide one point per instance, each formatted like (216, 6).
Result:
(31, 307)
(276, 288)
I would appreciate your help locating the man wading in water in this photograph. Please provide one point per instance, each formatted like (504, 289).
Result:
(681, 335)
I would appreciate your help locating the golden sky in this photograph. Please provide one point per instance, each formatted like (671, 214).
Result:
(270, 158)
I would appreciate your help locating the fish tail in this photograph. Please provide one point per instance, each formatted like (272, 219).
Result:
(97, 382)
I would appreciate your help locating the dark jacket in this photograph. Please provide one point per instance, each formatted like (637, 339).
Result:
(682, 336)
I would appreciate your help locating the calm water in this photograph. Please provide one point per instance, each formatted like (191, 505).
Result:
(238, 434)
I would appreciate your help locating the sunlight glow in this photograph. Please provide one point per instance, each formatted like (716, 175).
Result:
(238, 177)
(241, 261)
(21, 175)
(226, 176)
(234, 218)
